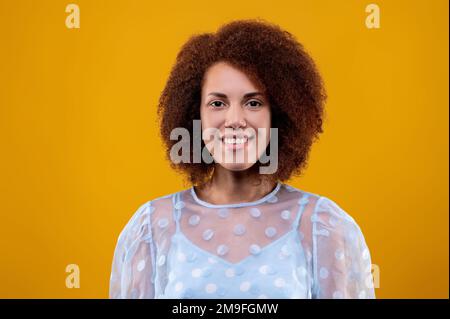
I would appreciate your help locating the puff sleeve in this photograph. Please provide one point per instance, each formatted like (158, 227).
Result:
(133, 261)
(341, 258)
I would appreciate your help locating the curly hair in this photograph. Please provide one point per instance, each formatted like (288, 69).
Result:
(276, 62)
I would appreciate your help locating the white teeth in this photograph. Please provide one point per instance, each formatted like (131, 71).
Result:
(234, 140)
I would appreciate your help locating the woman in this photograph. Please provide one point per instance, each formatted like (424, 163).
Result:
(239, 231)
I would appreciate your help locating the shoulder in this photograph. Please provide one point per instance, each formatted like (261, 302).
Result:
(138, 226)
(330, 213)
(325, 215)
(334, 225)
(299, 197)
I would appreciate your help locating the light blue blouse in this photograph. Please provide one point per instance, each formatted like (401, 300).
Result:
(288, 244)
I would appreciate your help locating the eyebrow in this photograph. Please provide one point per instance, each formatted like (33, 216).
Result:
(247, 95)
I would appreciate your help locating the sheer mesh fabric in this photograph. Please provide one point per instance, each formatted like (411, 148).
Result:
(288, 244)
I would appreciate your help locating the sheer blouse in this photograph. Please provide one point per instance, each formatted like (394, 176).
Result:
(288, 244)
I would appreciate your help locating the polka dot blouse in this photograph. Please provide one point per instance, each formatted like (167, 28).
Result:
(288, 244)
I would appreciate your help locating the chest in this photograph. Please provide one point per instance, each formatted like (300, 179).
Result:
(277, 270)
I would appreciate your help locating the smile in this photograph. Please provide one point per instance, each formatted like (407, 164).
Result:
(233, 140)
(233, 143)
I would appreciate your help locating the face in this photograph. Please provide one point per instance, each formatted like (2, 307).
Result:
(232, 110)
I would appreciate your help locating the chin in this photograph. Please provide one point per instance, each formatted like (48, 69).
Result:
(237, 167)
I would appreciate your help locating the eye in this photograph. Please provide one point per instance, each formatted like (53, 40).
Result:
(254, 104)
(216, 104)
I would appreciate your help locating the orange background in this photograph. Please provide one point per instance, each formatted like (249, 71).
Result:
(80, 147)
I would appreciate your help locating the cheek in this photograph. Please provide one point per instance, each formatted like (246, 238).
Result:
(209, 119)
(260, 119)
(263, 121)
(210, 126)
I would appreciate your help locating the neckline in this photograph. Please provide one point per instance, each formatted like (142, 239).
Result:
(242, 204)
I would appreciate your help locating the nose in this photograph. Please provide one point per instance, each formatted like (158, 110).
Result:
(235, 117)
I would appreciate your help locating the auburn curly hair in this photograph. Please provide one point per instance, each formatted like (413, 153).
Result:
(276, 62)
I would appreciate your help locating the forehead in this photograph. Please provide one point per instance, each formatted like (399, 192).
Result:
(225, 78)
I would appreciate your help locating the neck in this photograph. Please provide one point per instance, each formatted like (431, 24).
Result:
(229, 187)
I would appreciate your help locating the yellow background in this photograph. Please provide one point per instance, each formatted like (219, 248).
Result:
(79, 135)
